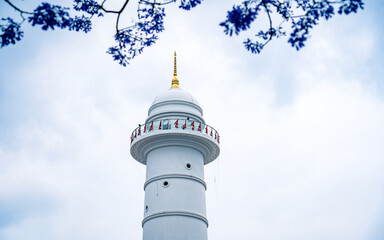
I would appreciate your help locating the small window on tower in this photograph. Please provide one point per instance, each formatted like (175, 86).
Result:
(146, 208)
(188, 166)
(165, 184)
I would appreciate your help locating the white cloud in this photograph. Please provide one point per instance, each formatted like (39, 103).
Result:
(310, 170)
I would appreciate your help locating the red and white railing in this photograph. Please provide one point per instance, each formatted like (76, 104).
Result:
(170, 124)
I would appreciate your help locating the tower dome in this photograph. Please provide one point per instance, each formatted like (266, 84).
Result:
(175, 102)
(177, 94)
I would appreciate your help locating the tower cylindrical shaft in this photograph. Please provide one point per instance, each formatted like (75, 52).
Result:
(175, 195)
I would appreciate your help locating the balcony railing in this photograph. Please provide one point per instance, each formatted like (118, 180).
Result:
(180, 124)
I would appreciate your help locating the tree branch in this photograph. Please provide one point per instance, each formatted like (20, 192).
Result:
(118, 15)
(158, 3)
(16, 8)
(270, 23)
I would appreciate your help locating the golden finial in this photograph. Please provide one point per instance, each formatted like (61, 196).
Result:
(175, 81)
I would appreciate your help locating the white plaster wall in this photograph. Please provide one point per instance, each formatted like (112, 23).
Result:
(175, 228)
(181, 195)
(172, 159)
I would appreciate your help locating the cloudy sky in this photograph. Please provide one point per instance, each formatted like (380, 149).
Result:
(302, 135)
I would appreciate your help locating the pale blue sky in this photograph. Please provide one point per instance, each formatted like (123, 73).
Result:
(302, 133)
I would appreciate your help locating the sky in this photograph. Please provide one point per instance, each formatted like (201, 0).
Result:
(302, 136)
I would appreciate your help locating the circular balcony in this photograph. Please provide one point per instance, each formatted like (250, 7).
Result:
(182, 132)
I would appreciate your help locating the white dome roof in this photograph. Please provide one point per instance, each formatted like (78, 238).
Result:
(175, 94)
(175, 103)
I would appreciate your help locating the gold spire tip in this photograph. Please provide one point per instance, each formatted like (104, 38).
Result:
(175, 81)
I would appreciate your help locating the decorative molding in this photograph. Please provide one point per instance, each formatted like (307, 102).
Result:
(203, 143)
(178, 102)
(174, 213)
(174, 114)
(184, 176)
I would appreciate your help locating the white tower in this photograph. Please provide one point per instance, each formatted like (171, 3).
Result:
(175, 144)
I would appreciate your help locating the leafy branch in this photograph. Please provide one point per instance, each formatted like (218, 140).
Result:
(131, 40)
(303, 15)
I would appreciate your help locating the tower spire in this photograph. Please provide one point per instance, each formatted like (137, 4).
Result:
(175, 81)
